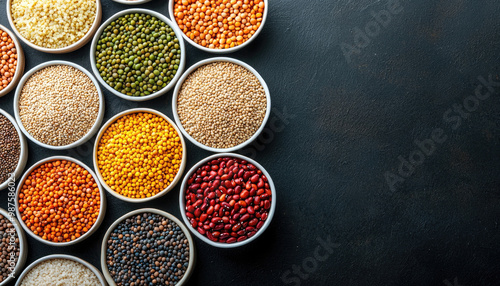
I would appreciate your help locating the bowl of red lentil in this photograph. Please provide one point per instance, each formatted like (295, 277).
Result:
(167, 253)
(139, 155)
(54, 26)
(221, 104)
(227, 200)
(74, 203)
(11, 61)
(219, 26)
(59, 105)
(138, 54)
(61, 269)
(14, 247)
(13, 150)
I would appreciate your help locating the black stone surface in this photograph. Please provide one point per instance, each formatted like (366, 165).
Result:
(340, 121)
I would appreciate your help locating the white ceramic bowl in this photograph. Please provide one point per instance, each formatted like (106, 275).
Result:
(62, 256)
(220, 51)
(182, 201)
(75, 46)
(193, 68)
(192, 247)
(20, 62)
(132, 2)
(102, 209)
(92, 130)
(23, 245)
(23, 157)
(161, 17)
(169, 187)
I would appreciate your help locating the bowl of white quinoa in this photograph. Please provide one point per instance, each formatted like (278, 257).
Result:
(61, 269)
(221, 104)
(54, 26)
(58, 105)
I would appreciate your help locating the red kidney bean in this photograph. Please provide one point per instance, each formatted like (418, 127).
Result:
(254, 178)
(203, 217)
(209, 235)
(219, 227)
(241, 238)
(253, 222)
(190, 215)
(245, 217)
(206, 227)
(244, 194)
(201, 230)
(267, 204)
(236, 216)
(256, 200)
(243, 211)
(236, 227)
(263, 217)
(224, 235)
(241, 232)
(252, 233)
(250, 210)
(227, 226)
(210, 210)
(231, 240)
(249, 228)
(260, 224)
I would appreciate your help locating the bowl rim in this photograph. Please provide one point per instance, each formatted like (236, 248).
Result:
(95, 126)
(192, 246)
(20, 61)
(23, 155)
(78, 44)
(161, 17)
(23, 245)
(177, 177)
(131, 2)
(193, 68)
(102, 208)
(182, 203)
(61, 256)
(220, 51)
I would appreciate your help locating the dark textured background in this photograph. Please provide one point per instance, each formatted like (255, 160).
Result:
(346, 124)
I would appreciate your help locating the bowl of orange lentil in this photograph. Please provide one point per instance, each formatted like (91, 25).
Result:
(139, 155)
(219, 26)
(11, 61)
(59, 201)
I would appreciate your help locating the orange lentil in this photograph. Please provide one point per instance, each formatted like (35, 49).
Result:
(139, 155)
(207, 23)
(54, 220)
(8, 59)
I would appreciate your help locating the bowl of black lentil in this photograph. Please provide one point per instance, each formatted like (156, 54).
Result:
(138, 54)
(58, 105)
(221, 104)
(147, 247)
(13, 150)
(14, 247)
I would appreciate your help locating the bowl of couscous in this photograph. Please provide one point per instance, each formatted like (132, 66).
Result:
(54, 26)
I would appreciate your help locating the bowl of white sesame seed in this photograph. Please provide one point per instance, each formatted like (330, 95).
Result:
(221, 104)
(58, 105)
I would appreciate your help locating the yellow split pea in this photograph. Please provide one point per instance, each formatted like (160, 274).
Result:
(139, 155)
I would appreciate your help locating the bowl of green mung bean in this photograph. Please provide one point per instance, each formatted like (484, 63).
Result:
(13, 150)
(58, 105)
(138, 54)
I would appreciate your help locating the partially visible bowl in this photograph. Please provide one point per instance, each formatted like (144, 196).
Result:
(23, 156)
(192, 248)
(177, 177)
(155, 94)
(259, 231)
(132, 2)
(92, 130)
(73, 47)
(62, 256)
(20, 62)
(219, 51)
(193, 68)
(102, 207)
(23, 247)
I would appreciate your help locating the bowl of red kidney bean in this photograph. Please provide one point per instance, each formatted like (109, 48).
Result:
(227, 200)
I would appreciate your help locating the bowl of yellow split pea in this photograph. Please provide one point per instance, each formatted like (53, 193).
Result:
(139, 155)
